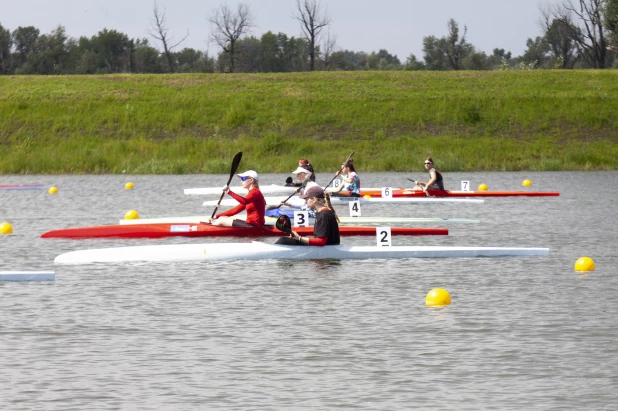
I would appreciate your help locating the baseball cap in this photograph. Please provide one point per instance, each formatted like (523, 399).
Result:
(315, 191)
(250, 173)
(301, 170)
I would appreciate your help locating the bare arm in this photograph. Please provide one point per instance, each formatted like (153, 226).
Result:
(433, 179)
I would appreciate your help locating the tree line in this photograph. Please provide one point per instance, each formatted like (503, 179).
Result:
(575, 34)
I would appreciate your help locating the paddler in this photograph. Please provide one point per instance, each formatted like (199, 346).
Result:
(435, 182)
(350, 178)
(302, 174)
(304, 163)
(326, 228)
(254, 203)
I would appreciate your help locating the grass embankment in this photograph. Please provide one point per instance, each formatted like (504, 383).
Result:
(467, 121)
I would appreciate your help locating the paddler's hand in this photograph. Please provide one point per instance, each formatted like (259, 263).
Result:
(225, 188)
(295, 235)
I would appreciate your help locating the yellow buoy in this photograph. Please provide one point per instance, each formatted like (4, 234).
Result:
(128, 186)
(526, 183)
(366, 196)
(437, 297)
(131, 215)
(584, 264)
(53, 190)
(6, 228)
(483, 187)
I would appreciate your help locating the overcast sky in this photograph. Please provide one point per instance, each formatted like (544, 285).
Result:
(360, 25)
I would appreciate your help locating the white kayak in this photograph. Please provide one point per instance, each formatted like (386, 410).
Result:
(226, 202)
(27, 276)
(263, 251)
(270, 221)
(265, 189)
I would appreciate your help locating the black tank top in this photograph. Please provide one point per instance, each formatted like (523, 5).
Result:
(439, 181)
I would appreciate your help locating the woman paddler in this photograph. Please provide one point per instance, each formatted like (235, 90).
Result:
(304, 163)
(326, 228)
(254, 203)
(435, 182)
(302, 174)
(350, 178)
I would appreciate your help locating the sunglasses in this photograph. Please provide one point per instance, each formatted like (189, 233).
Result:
(428, 163)
(244, 178)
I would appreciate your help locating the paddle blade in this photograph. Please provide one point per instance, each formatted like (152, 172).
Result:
(284, 224)
(235, 163)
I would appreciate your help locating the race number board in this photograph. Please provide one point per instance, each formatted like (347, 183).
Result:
(383, 236)
(301, 218)
(355, 208)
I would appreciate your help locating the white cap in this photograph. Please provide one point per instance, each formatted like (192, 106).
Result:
(301, 170)
(250, 173)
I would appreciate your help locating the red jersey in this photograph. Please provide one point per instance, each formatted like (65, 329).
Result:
(254, 203)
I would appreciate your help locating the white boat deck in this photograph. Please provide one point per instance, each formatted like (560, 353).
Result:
(261, 251)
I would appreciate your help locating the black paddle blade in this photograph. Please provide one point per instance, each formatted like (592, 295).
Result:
(284, 224)
(235, 164)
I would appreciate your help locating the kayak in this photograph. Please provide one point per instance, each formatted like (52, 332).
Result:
(407, 193)
(262, 251)
(377, 192)
(376, 220)
(21, 187)
(265, 189)
(27, 276)
(363, 201)
(208, 230)
(270, 220)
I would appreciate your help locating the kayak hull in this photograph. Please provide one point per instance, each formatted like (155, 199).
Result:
(272, 218)
(377, 192)
(262, 251)
(275, 201)
(207, 230)
(20, 187)
(27, 276)
(408, 193)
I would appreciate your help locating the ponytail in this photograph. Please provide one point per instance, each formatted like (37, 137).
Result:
(329, 205)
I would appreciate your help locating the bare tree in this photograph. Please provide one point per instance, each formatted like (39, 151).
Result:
(228, 26)
(312, 21)
(330, 42)
(159, 31)
(589, 33)
(558, 37)
(611, 23)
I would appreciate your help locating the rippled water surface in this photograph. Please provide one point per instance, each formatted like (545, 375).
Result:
(521, 333)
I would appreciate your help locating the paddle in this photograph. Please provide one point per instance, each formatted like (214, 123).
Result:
(415, 183)
(337, 175)
(284, 224)
(305, 181)
(235, 163)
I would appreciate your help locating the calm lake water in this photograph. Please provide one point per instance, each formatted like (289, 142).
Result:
(521, 333)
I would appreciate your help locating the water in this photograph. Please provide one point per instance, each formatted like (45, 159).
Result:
(521, 333)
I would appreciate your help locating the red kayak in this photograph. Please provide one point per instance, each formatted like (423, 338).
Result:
(20, 186)
(406, 192)
(207, 230)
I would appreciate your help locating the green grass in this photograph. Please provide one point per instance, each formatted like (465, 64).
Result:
(195, 123)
